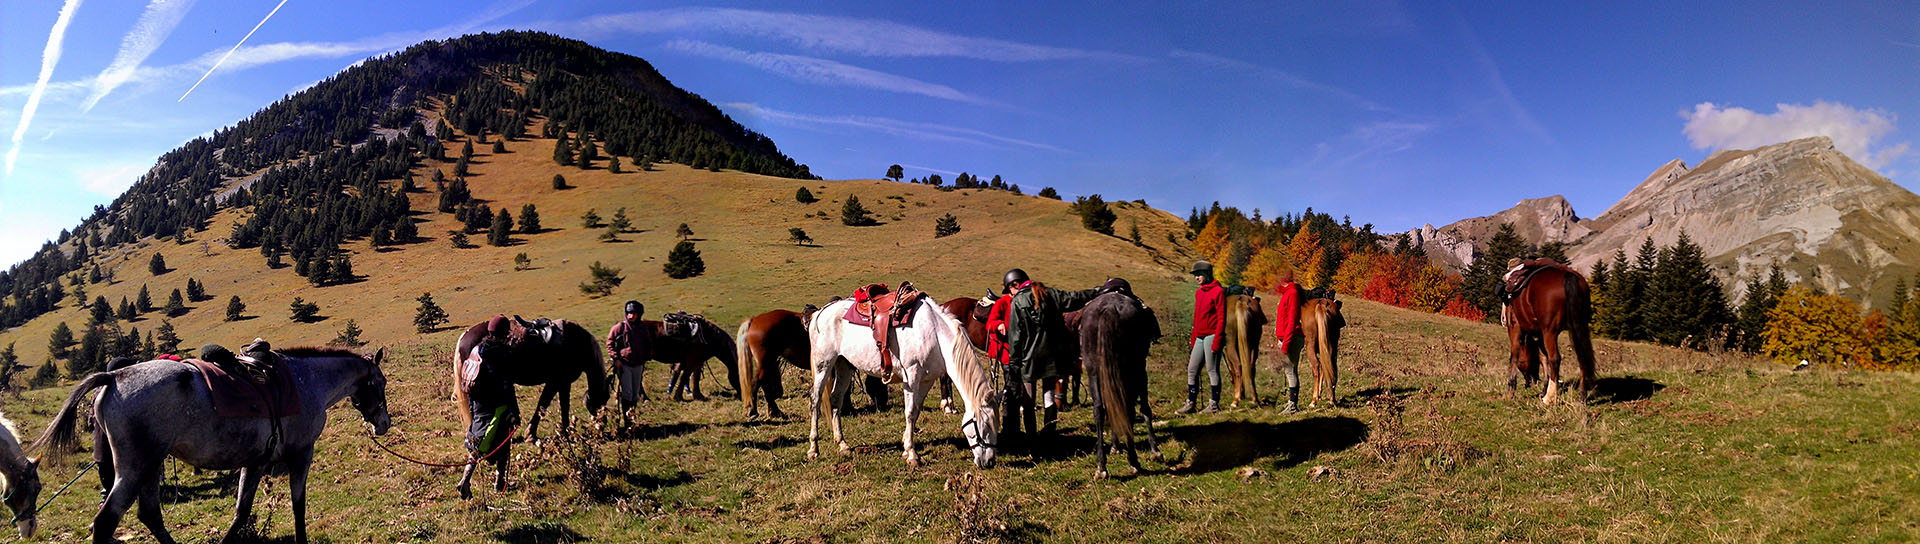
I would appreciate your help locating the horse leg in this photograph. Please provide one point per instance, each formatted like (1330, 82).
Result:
(150, 509)
(546, 397)
(1550, 340)
(1099, 431)
(821, 400)
(297, 469)
(916, 392)
(500, 462)
(843, 381)
(466, 477)
(243, 504)
(946, 396)
(566, 404)
(675, 383)
(1516, 359)
(103, 458)
(1582, 340)
(699, 369)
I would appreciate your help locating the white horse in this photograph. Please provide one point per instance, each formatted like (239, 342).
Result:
(20, 478)
(932, 345)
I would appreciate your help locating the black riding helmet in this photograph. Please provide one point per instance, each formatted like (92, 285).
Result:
(636, 308)
(1014, 277)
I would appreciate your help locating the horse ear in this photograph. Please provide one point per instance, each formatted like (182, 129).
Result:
(379, 355)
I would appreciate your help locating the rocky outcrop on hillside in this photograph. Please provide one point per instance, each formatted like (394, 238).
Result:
(1803, 204)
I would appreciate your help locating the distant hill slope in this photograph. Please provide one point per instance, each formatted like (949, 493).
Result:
(336, 199)
(1825, 218)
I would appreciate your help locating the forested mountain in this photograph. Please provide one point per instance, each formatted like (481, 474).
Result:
(314, 166)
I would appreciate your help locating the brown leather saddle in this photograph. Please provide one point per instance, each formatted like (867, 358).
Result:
(1512, 287)
(881, 310)
(249, 390)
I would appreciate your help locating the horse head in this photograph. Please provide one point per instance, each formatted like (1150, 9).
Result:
(370, 395)
(23, 495)
(981, 428)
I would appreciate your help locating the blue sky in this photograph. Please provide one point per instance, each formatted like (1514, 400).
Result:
(1396, 114)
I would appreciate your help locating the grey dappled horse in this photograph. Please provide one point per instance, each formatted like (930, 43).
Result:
(160, 408)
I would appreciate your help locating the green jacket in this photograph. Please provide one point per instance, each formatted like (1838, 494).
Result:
(1037, 331)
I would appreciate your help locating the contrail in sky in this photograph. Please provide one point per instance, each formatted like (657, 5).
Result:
(47, 59)
(236, 47)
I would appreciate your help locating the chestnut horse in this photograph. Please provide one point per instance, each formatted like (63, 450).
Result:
(1245, 319)
(759, 342)
(1320, 324)
(1555, 299)
(686, 355)
(972, 314)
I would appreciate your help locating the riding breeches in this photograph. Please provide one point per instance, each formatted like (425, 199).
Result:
(1203, 354)
(1290, 365)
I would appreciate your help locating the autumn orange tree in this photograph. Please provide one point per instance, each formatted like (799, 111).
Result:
(1307, 257)
(1823, 329)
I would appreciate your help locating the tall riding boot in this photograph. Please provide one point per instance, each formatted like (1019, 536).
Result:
(1213, 403)
(1293, 401)
(1050, 413)
(1193, 394)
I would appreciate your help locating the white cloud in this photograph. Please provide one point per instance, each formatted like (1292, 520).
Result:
(148, 33)
(1282, 77)
(109, 180)
(912, 129)
(863, 37)
(48, 58)
(823, 72)
(1856, 132)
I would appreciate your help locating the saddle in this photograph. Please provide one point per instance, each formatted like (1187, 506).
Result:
(877, 308)
(682, 324)
(243, 388)
(1513, 283)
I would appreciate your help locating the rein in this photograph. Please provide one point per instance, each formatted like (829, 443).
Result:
(56, 494)
(496, 449)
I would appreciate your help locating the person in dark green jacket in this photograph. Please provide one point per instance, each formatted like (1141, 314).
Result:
(1037, 337)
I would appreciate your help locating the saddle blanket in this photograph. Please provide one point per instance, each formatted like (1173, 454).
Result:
(236, 397)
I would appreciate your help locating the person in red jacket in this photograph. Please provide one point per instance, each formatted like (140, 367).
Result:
(1209, 320)
(1286, 334)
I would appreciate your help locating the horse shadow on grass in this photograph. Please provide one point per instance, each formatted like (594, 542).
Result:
(1616, 390)
(540, 532)
(220, 485)
(1231, 444)
(1400, 393)
(645, 433)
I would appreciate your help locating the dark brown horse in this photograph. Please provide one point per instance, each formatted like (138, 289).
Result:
(1115, 331)
(686, 354)
(972, 314)
(759, 344)
(1555, 299)
(551, 362)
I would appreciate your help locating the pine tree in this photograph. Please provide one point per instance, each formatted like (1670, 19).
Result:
(466, 151)
(852, 214)
(175, 304)
(196, 291)
(562, 152)
(1095, 215)
(143, 303)
(683, 231)
(1900, 295)
(1048, 192)
(100, 313)
(167, 341)
(684, 262)
(589, 220)
(303, 311)
(127, 312)
(895, 173)
(613, 164)
(1481, 282)
(1686, 300)
(158, 265)
(62, 338)
(620, 223)
(521, 262)
(946, 225)
(428, 316)
(529, 220)
(559, 182)
(404, 231)
(804, 196)
(320, 272)
(350, 336)
(234, 308)
(601, 280)
(798, 236)
(458, 239)
(502, 225)
(499, 146)
(343, 270)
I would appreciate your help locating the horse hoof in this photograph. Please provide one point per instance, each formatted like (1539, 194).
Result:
(845, 449)
(1100, 474)
(813, 454)
(1157, 458)
(465, 493)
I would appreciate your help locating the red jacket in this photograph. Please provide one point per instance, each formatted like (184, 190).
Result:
(1286, 317)
(996, 340)
(1209, 313)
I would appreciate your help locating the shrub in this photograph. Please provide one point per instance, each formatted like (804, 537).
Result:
(522, 262)
(852, 214)
(303, 311)
(350, 336)
(428, 316)
(804, 196)
(1094, 214)
(947, 225)
(601, 280)
(798, 236)
(235, 308)
(684, 262)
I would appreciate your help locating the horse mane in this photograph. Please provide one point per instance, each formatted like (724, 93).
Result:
(967, 370)
(13, 458)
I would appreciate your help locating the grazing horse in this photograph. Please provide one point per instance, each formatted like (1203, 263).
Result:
(760, 342)
(1244, 321)
(687, 355)
(1320, 324)
(539, 360)
(1116, 330)
(152, 410)
(933, 344)
(1554, 300)
(972, 313)
(19, 479)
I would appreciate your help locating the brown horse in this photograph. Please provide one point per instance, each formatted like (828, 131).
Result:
(760, 341)
(1245, 319)
(1555, 299)
(1320, 324)
(686, 353)
(552, 362)
(972, 314)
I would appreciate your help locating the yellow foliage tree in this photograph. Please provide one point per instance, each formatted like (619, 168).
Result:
(1430, 289)
(1900, 348)
(1212, 241)
(1352, 275)
(1264, 271)
(1306, 254)
(1805, 326)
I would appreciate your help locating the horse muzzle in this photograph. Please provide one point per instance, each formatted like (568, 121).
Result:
(27, 527)
(380, 425)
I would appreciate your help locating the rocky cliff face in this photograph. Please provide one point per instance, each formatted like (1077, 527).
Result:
(1823, 217)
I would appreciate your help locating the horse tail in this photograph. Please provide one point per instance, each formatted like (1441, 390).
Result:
(58, 438)
(1579, 330)
(459, 393)
(1106, 368)
(743, 359)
